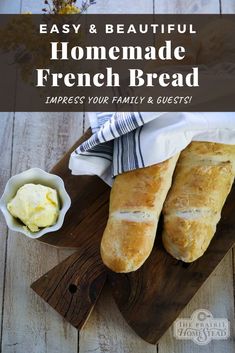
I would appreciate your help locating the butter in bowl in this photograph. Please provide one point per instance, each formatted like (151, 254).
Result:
(35, 203)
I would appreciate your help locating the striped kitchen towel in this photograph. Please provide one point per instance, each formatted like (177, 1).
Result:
(123, 142)
(114, 146)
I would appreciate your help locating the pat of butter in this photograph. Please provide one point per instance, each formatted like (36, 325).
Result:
(37, 206)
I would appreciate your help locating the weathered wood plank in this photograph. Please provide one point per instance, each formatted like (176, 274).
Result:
(32, 6)
(227, 6)
(6, 131)
(36, 6)
(217, 293)
(9, 7)
(47, 333)
(122, 6)
(29, 325)
(189, 6)
(106, 330)
(86, 122)
(6, 123)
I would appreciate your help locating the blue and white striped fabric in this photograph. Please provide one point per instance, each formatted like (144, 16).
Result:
(123, 142)
(116, 138)
(111, 126)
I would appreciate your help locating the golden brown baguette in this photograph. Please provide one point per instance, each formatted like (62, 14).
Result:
(202, 181)
(136, 202)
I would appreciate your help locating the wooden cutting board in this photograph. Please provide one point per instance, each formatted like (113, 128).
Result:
(73, 286)
(151, 298)
(86, 219)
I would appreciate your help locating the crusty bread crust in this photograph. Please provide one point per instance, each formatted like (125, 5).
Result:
(202, 181)
(136, 202)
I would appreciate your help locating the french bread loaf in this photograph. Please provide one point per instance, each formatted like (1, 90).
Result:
(136, 202)
(202, 181)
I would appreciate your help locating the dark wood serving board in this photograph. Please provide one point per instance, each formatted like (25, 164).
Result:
(151, 298)
(87, 217)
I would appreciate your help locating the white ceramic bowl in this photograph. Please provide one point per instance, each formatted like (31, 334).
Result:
(36, 176)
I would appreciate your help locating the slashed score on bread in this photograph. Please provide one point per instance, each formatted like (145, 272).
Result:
(202, 181)
(136, 202)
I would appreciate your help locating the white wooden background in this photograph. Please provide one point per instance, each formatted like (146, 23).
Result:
(27, 325)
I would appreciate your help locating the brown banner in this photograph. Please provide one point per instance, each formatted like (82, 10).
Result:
(117, 63)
